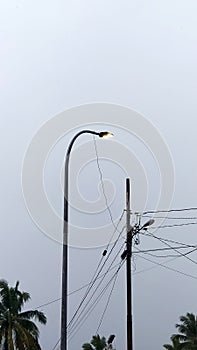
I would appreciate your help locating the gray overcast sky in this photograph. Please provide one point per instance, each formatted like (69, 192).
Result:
(57, 55)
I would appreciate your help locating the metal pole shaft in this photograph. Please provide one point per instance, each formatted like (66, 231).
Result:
(128, 269)
(65, 263)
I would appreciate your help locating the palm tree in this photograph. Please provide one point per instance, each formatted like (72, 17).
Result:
(17, 330)
(176, 345)
(97, 343)
(187, 332)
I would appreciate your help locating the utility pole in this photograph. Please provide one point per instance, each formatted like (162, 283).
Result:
(131, 232)
(128, 268)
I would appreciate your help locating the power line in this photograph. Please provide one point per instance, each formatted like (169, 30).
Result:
(93, 280)
(101, 179)
(94, 303)
(90, 285)
(49, 303)
(162, 249)
(148, 251)
(103, 188)
(184, 246)
(169, 255)
(85, 306)
(169, 210)
(168, 240)
(56, 344)
(74, 291)
(87, 284)
(88, 302)
(175, 225)
(107, 304)
(166, 267)
(157, 264)
(152, 267)
(172, 217)
(134, 252)
(176, 250)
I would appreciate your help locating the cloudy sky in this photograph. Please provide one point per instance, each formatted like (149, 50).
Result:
(137, 56)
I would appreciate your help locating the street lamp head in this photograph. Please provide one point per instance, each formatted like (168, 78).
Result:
(105, 134)
(148, 223)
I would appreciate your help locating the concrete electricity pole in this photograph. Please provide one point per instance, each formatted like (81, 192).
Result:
(128, 268)
(132, 231)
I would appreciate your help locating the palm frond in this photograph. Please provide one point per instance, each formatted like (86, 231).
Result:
(29, 341)
(87, 346)
(187, 331)
(35, 314)
(98, 342)
(30, 326)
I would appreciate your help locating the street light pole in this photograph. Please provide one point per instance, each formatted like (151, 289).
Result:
(128, 269)
(64, 306)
